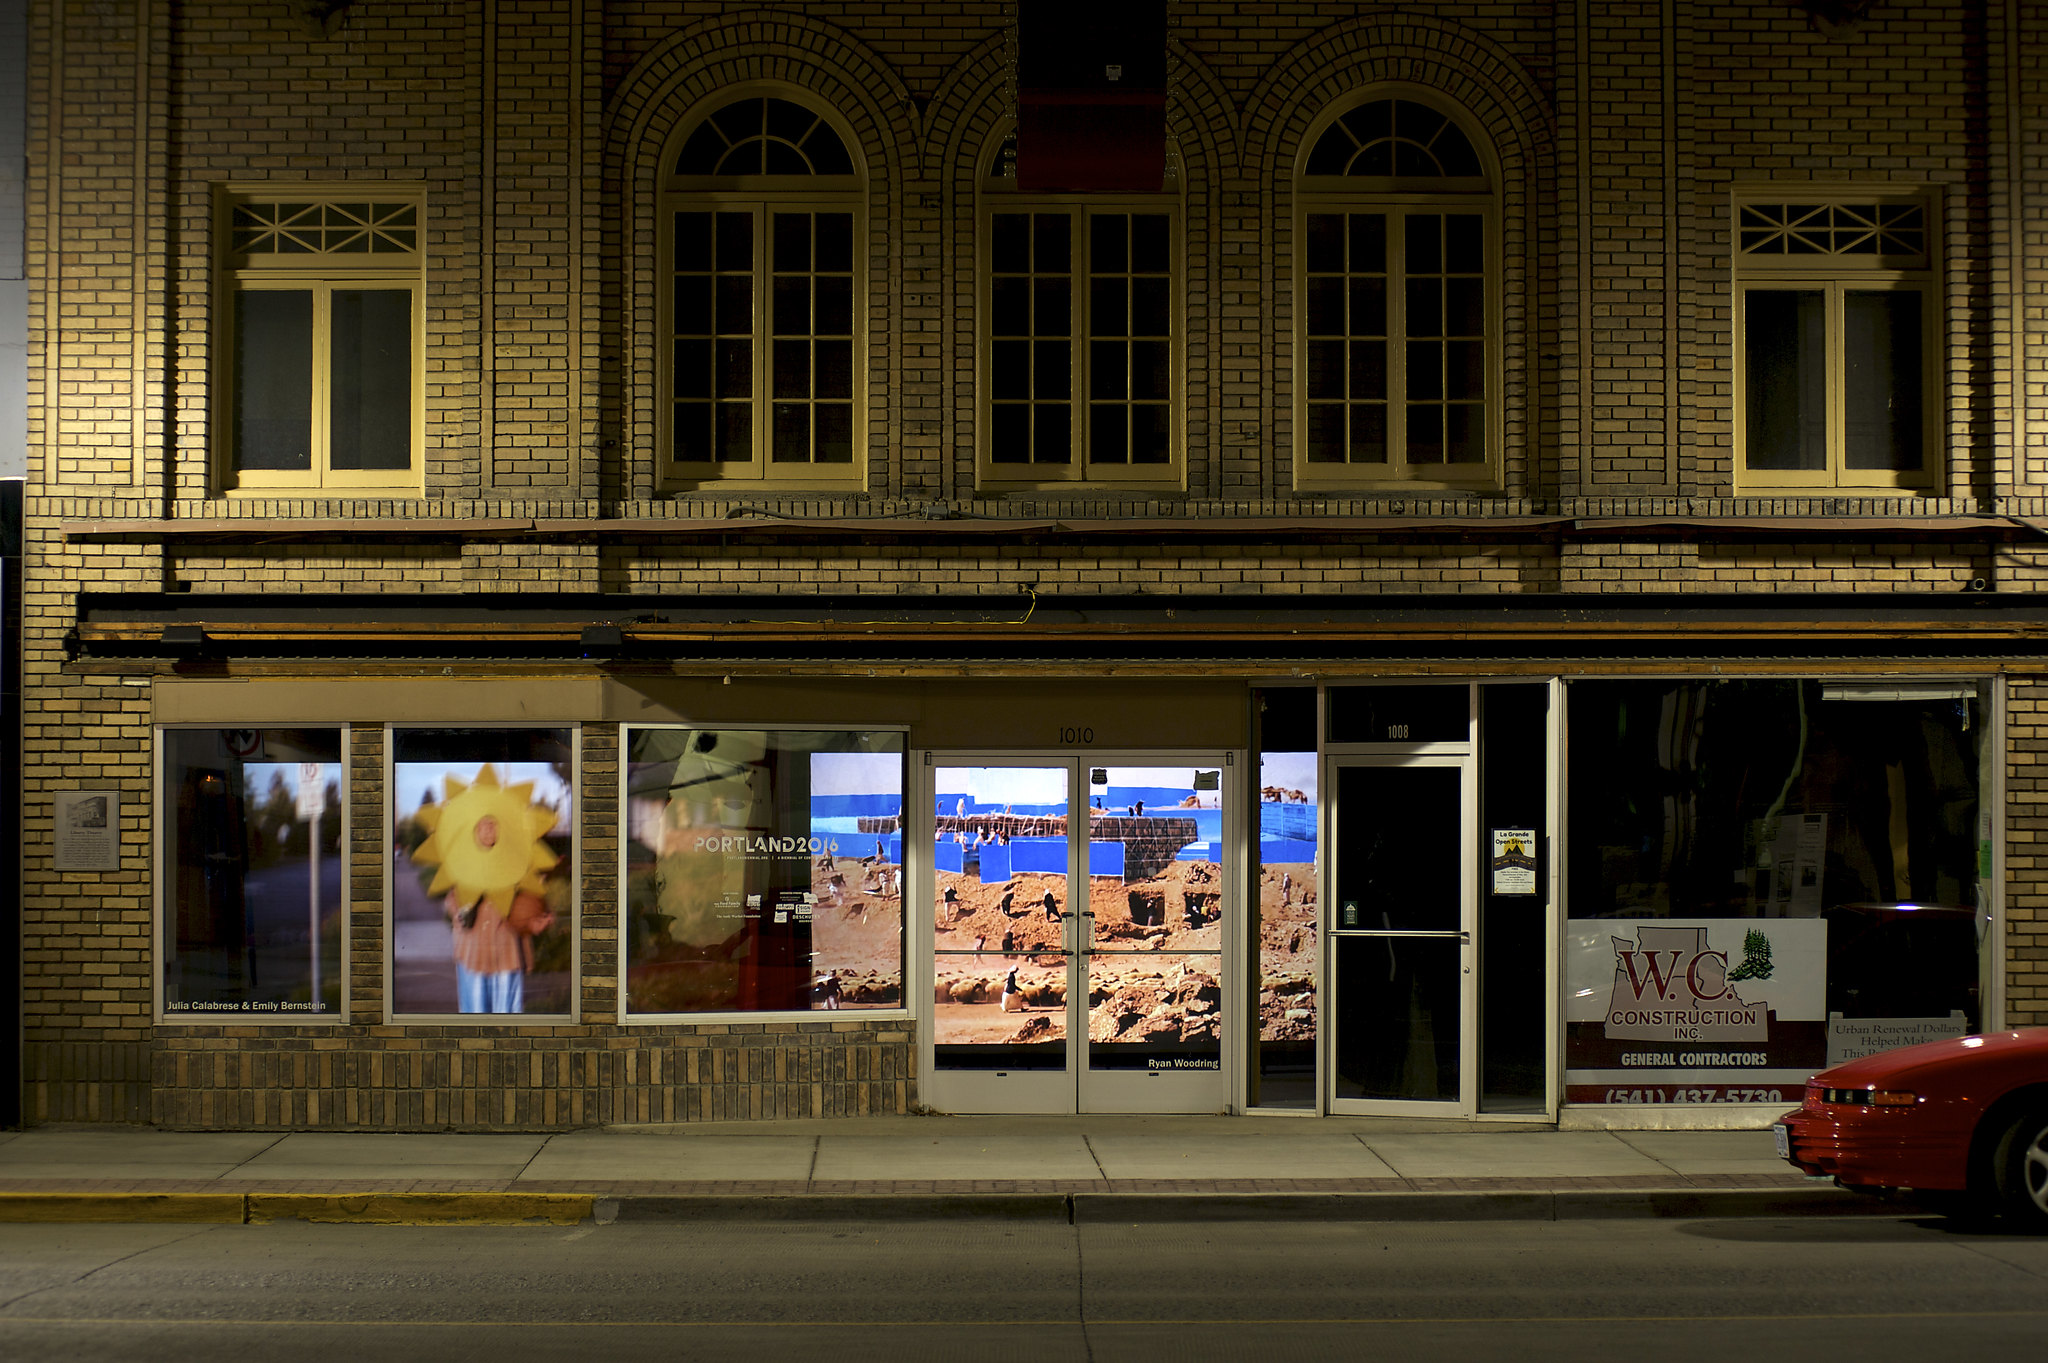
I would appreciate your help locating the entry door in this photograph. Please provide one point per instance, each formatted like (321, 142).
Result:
(1404, 876)
(1078, 916)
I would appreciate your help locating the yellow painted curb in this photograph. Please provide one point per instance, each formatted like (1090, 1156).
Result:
(418, 1209)
(208, 1208)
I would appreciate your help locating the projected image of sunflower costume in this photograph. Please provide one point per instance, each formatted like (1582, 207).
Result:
(490, 864)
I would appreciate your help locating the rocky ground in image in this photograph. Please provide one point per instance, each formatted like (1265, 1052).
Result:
(1143, 988)
(1287, 953)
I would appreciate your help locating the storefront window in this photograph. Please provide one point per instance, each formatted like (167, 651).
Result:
(1284, 909)
(252, 896)
(1767, 877)
(764, 870)
(483, 873)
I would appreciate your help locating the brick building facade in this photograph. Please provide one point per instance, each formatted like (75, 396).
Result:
(403, 369)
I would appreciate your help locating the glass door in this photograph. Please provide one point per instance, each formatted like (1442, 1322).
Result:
(1153, 937)
(1079, 912)
(1003, 929)
(1403, 876)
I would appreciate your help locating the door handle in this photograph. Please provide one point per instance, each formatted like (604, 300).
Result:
(1464, 939)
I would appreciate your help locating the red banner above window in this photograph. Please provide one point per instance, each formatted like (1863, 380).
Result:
(1091, 95)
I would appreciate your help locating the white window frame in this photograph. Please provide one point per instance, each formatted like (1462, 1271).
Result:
(763, 195)
(388, 813)
(1399, 196)
(1000, 195)
(321, 274)
(1834, 276)
(166, 907)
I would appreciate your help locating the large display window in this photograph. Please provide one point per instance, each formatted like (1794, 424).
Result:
(483, 872)
(1768, 877)
(763, 870)
(252, 878)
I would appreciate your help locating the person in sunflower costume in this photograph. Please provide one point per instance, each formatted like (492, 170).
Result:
(491, 867)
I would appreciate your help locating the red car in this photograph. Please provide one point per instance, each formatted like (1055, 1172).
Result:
(1965, 1120)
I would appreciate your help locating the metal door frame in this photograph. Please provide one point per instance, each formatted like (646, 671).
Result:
(1075, 1088)
(1465, 761)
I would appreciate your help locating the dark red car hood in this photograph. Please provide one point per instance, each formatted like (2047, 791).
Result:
(2001, 1051)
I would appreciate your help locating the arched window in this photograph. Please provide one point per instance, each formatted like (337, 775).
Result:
(1080, 333)
(1398, 302)
(762, 309)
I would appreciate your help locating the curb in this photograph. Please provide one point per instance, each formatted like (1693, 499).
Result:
(236, 1209)
(567, 1209)
(228, 1209)
(416, 1209)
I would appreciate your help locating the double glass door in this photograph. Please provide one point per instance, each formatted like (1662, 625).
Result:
(1404, 882)
(1076, 934)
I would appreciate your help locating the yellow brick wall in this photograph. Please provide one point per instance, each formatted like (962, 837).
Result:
(535, 128)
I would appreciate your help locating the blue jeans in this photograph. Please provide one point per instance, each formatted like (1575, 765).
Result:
(502, 992)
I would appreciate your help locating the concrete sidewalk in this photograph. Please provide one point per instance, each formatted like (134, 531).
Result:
(1073, 1168)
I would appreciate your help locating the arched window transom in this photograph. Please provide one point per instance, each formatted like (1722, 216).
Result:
(1395, 138)
(765, 136)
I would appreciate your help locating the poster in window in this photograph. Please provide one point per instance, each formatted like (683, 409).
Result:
(252, 867)
(764, 870)
(1719, 1010)
(483, 871)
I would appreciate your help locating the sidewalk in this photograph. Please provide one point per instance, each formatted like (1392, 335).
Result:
(1067, 1168)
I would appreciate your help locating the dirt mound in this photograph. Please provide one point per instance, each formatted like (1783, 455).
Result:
(1037, 1029)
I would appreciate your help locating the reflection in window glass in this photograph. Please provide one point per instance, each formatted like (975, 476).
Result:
(1807, 859)
(763, 870)
(253, 894)
(1785, 354)
(482, 874)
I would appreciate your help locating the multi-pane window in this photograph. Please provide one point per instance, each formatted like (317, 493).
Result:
(1396, 336)
(762, 305)
(323, 381)
(1397, 302)
(1080, 344)
(1835, 326)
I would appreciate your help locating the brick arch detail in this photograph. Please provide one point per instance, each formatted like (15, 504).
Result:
(1482, 77)
(792, 49)
(1503, 104)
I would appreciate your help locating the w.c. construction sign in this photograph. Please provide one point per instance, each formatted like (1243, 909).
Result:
(1694, 1010)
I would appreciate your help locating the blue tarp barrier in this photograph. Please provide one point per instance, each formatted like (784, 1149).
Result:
(1288, 821)
(946, 856)
(995, 863)
(1105, 859)
(1047, 856)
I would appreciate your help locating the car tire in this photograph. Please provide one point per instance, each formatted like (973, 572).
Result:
(2020, 1168)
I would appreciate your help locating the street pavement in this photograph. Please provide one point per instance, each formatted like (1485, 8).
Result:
(1072, 1169)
